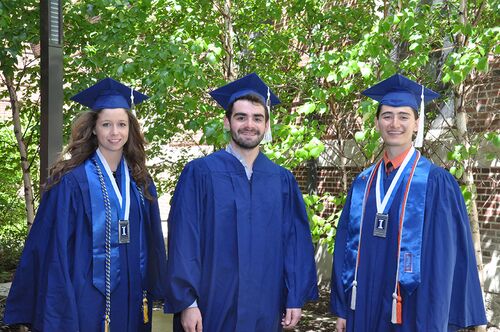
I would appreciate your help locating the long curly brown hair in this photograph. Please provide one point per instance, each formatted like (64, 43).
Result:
(83, 143)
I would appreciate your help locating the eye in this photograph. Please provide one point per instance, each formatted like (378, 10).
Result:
(123, 124)
(106, 124)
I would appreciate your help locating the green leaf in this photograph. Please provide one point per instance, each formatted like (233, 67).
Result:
(365, 70)
(359, 136)
(307, 108)
(482, 64)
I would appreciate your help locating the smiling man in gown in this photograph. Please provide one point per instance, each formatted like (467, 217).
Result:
(240, 254)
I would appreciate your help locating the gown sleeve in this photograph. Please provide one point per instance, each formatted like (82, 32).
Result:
(184, 256)
(338, 300)
(42, 294)
(300, 268)
(451, 296)
(157, 264)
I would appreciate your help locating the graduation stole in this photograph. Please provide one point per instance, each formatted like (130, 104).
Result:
(411, 220)
(110, 225)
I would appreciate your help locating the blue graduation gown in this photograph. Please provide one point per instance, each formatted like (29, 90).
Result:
(241, 248)
(53, 288)
(449, 295)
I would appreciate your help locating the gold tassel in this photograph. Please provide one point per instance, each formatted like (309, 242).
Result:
(145, 309)
(106, 324)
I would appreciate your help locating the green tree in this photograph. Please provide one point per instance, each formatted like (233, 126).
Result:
(12, 208)
(19, 76)
(317, 55)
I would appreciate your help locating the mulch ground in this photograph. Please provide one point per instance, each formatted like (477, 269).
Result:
(316, 316)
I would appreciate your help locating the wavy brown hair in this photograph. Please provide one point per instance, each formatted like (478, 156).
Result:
(83, 143)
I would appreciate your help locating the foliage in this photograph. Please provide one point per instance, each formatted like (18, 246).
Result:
(324, 229)
(13, 226)
(19, 31)
(315, 54)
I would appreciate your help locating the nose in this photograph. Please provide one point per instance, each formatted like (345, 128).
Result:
(249, 122)
(114, 129)
(394, 122)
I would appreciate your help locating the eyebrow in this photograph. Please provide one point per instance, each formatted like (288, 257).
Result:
(397, 113)
(246, 114)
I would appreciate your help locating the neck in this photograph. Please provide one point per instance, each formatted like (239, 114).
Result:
(394, 151)
(112, 158)
(248, 154)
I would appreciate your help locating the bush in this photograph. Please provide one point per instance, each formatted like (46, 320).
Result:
(12, 237)
(13, 227)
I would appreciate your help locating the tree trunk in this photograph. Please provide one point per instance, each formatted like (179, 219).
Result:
(312, 176)
(227, 42)
(461, 118)
(27, 182)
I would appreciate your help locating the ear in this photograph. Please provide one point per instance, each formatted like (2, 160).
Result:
(376, 124)
(416, 125)
(227, 125)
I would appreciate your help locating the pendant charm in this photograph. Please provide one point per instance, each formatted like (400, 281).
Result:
(380, 226)
(145, 308)
(124, 229)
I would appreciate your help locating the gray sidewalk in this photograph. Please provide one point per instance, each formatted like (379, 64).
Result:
(4, 289)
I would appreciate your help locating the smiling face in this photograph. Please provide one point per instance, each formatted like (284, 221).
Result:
(112, 129)
(247, 124)
(396, 126)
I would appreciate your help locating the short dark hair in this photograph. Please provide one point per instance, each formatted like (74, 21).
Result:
(253, 98)
(379, 108)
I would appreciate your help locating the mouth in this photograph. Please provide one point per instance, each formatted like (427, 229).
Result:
(249, 133)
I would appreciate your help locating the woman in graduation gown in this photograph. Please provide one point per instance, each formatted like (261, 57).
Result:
(95, 255)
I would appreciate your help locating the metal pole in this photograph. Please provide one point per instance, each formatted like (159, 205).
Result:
(51, 89)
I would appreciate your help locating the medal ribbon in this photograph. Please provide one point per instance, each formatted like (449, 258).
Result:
(121, 197)
(384, 205)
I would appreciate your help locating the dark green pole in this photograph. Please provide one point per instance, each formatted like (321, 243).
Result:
(51, 88)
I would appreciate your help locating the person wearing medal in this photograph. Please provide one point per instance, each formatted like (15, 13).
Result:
(241, 256)
(95, 257)
(404, 258)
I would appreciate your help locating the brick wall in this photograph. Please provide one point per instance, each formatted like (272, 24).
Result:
(483, 100)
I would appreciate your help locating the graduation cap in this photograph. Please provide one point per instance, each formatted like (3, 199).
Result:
(399, 90)
(109, 93)
(250, 84)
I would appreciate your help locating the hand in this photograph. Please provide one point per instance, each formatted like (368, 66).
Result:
(291, 317)
(191, 320)
(341, 325)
